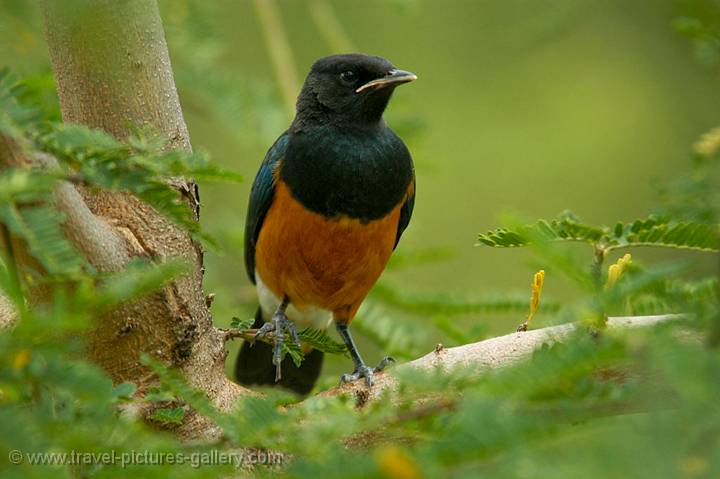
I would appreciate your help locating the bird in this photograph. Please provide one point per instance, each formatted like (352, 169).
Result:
(328, 206)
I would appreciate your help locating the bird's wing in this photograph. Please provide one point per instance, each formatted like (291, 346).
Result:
(261, 197)
(406, 212)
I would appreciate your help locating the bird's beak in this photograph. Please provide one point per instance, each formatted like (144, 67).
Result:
(393, 77)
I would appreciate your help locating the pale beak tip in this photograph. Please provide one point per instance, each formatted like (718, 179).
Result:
(394, 77)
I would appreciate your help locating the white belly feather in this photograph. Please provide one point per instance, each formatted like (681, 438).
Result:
(312, 317)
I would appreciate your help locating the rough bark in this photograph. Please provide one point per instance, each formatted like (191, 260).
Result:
(7, 312)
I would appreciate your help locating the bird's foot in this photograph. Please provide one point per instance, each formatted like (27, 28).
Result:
(362, 371)
(279, 323)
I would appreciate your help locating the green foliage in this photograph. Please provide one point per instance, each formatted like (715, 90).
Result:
(50, 400)
(315, 338)
(167, 415)
(319, 340)
(699, 21)
(138, 278)
(40, 227)
(454, 304)
(14, 115)
(522, 417)
(694, 195)
(242, 324)
(390, 316)
(398, 337)
(140, 165)
(675, 295)
(651, 231)
(23, 213)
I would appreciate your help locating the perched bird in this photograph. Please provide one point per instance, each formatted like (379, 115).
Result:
(328, 206)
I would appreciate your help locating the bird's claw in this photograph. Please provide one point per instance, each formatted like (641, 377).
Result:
(363, 371)
(278, 324)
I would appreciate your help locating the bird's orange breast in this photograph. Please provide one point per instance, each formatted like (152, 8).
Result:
(330, 263)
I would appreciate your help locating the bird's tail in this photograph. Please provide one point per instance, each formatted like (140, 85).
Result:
(254, 366)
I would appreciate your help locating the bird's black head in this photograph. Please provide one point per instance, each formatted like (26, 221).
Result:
(351, 89)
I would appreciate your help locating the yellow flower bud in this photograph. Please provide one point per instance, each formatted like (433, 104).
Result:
(537, 286)
(616, 270)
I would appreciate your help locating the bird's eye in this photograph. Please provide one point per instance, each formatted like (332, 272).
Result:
(348, 77)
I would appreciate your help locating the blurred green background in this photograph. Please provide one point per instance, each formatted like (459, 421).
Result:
(528, 106)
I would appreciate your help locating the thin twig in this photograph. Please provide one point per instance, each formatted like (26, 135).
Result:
(247, 334)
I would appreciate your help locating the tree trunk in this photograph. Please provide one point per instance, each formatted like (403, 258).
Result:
(112, 70)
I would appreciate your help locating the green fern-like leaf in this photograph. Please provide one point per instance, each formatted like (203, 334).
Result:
(243, 324)
(168, 415)
(567, 227)
(394, 335)
(651, 231)
(25, 186)
(321, 341)
(295, 352)
(655, 232)
(673, 295)
(139, 166)
(173, 383)
(452, 304)
(315, 338)
(40, 227)
(14, 115)
(259, 413)
(138, 278)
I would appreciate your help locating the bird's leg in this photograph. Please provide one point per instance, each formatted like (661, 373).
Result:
(361, 370)
(278, 323)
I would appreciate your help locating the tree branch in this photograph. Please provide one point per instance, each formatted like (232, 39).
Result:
(484, 355)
